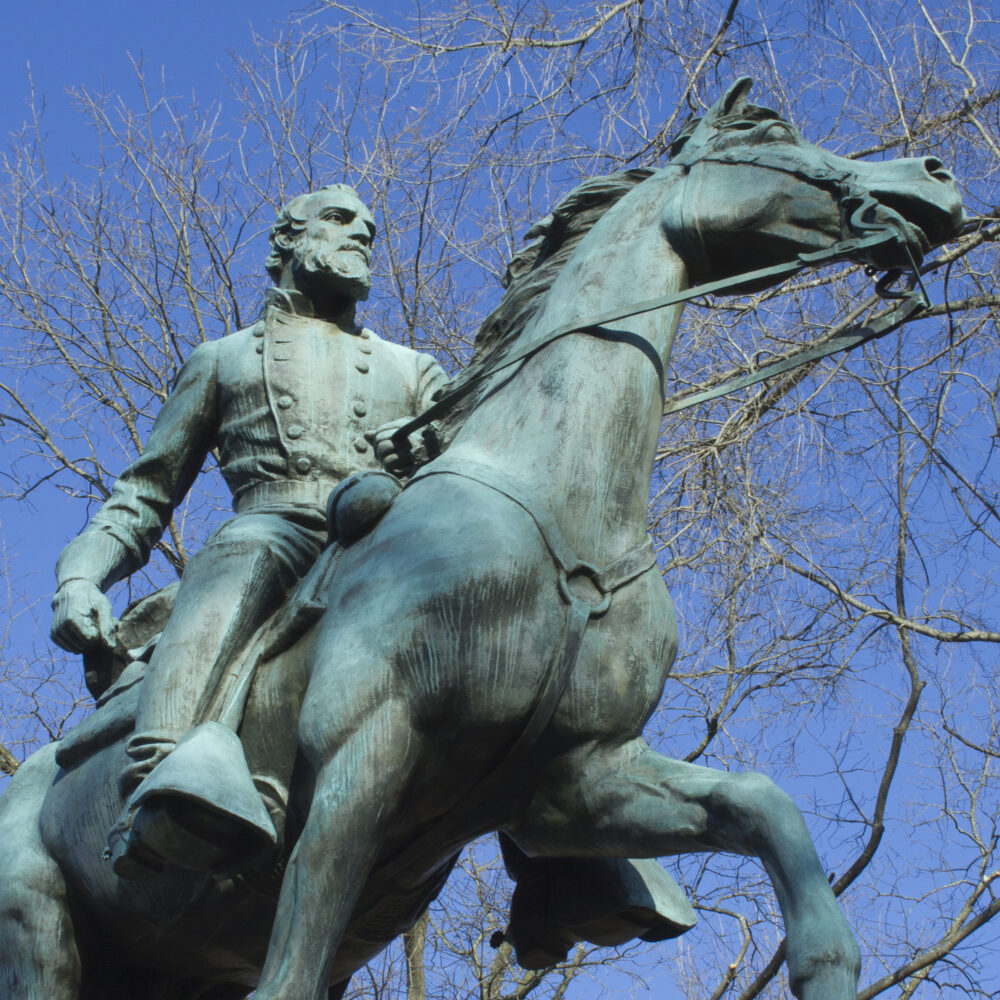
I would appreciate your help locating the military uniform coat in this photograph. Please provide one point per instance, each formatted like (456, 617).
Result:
(286, 402)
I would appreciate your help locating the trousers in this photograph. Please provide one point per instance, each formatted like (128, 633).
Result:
(238, 579)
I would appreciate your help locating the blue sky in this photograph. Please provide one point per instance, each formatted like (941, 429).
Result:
(72, 44)
(69, 44)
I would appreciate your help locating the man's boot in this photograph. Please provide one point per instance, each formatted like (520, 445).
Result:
(198, 809)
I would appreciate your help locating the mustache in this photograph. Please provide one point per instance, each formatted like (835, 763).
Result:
(328, 262)
(324, 257)
(353, 247)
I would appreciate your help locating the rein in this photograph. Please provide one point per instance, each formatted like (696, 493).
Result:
(911, 302)
(845, 249)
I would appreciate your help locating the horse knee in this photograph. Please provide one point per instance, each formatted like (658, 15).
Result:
(753, 809)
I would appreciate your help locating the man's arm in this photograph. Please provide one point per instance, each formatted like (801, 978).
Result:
(121, 534)
(430, 379)
(424, 445)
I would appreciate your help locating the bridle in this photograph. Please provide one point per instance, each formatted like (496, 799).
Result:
(859, 237)
(856, 204)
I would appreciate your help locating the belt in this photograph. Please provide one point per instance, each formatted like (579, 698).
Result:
(311, 492)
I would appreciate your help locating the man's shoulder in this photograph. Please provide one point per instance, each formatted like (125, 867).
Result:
(223, 348)
(240, 339)
(398, 352)
(212, 358)
(228, 342)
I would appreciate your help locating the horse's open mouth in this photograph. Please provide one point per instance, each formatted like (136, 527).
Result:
(931, 224)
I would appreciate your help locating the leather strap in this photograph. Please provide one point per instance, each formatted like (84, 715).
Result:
(845, 249)
(878, 327)
(607, 580)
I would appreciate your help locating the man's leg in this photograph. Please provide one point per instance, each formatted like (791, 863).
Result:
(239, 578)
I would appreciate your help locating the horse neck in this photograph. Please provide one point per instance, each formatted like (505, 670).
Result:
(579, 423)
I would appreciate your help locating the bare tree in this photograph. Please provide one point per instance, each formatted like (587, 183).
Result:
(830, 537)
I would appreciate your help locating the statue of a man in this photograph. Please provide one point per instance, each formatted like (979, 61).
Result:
(287, 403)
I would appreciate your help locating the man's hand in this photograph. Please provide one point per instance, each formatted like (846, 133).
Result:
(82, 617)
(403, 458)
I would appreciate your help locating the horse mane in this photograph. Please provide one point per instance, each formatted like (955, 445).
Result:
(532, 271)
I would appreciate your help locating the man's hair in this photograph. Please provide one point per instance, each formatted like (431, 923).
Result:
(288, 223)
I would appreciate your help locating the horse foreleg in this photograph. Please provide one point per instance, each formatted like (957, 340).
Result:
(38, 953)
(350, 812)
(628, 801)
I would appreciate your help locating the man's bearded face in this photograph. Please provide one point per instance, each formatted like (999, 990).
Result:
(336, 266)
(332, 254)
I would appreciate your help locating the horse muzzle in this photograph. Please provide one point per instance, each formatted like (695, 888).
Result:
(917, 197)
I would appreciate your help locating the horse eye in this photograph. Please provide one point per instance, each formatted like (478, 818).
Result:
(778, 132)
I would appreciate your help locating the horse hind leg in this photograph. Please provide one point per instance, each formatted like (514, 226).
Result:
(38, 952)
(629, 801)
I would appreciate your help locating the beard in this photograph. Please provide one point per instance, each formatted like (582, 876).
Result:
(324, 269)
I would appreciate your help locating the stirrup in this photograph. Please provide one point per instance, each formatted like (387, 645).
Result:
(198, 810)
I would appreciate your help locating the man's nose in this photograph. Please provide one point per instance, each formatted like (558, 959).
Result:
(360, 233)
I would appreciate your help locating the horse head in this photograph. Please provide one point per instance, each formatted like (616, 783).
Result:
(755, 192)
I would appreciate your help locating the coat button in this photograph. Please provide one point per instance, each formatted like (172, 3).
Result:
(360, 409)
(366, 334)
(362, 366)
(296, 431)
(284, 402)
(360, 444)
(260, 348)
(365, 348)
(302, 464)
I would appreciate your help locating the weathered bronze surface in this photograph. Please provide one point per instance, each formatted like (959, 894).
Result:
(482, 654)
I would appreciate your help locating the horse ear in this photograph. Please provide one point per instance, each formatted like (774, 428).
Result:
(698, 130)
(732, 101)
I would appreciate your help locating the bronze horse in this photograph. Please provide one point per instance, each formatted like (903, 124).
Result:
(491, 651)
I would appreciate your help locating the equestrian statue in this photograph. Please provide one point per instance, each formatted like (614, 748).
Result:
(292, 747)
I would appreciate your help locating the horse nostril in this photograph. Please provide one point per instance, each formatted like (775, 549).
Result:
(937, 170)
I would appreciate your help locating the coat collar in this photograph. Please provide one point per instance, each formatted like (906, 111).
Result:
(295, 303)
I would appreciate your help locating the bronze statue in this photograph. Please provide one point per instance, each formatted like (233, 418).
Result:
(486, 655)
(287, 403)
